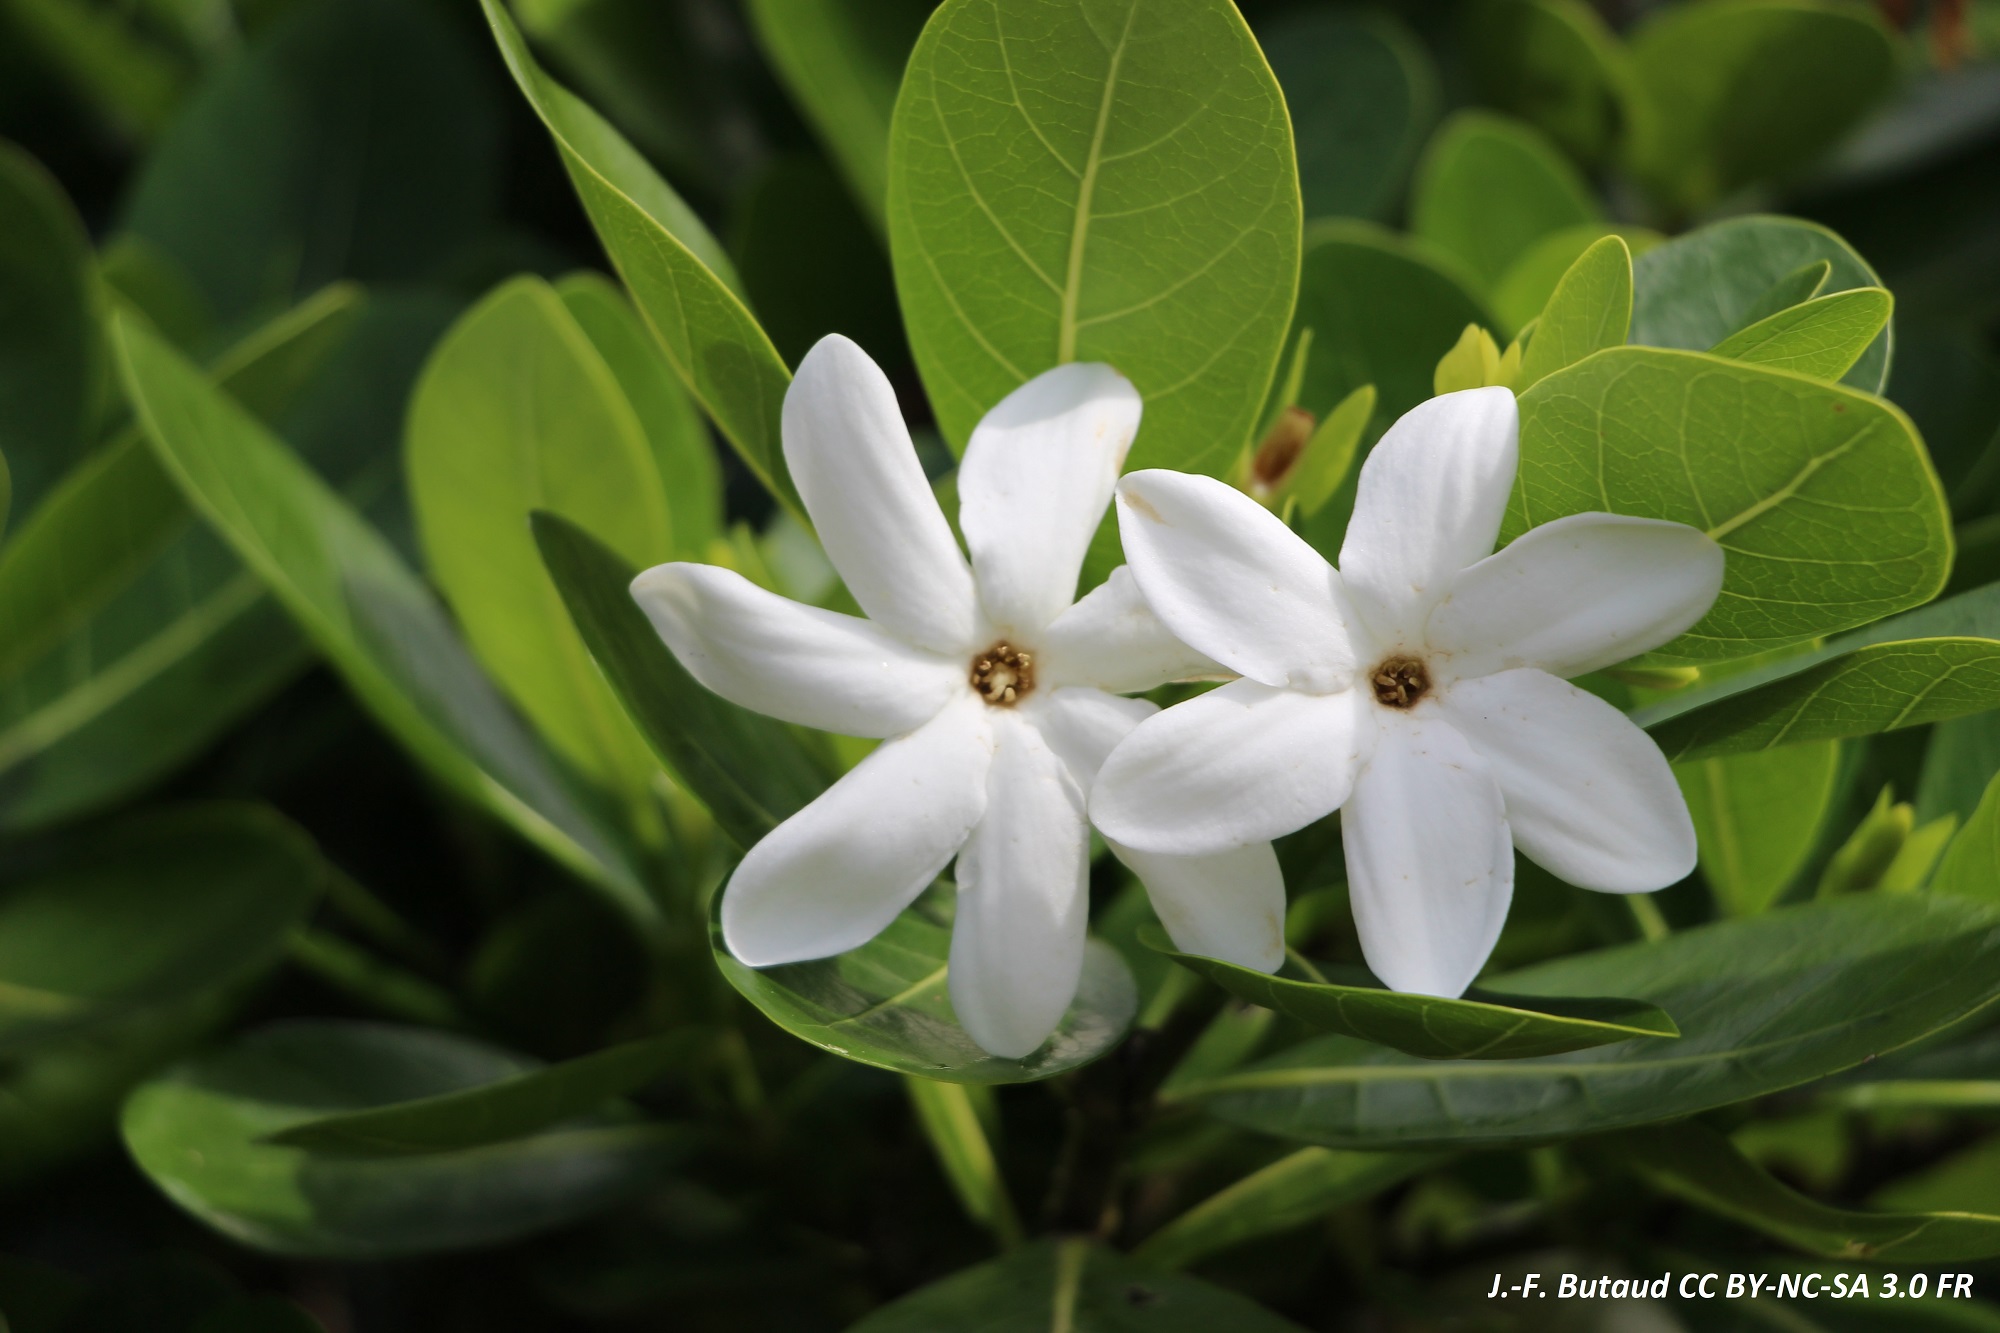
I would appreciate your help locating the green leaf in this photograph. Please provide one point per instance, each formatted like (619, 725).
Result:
(356, 599)
(1971, 864)
(1289, 1193)
(885, 1003)
(1701, 287)
(1330, 452)
(200, 1130)
(1363, 94)
(356, 140)
(674, 427)
(1490, 187)
(1531, 279)
(1959, 763)
(132, 637)
(1757, 818)
(1096, 182)
(508, 1108)
(843, 61)
(516, 412)
(1749, 90)
(51, 361)
(129, 79)
(1071, 1286)
(158, 910)
(257, 1314)
(1821, 338)
(950, 1119)
(1589, 311)
(1695, 1163)
(1484, 1025)
(749, 771)
(1554, 64)
(1763, 1003)
(1758, 459)
(677, 272)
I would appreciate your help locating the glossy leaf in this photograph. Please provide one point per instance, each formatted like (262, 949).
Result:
(356, 140)
(516, 412)
(1699, 288)
(1291, 1192)
(1490, 187)
(1821, 338)
(159, 909)
(1071, 1286)
(885, 1003)
(1699, 1165)
(360, 604)
(1363, 94)
(1763, 1003)
(508, 1108)
(843, 62)
(1757, 819)
(200, 1132)
(1590, 310)
(749, 771)
(678, 274)
(1484, 1025)
(1099, 181)
(1557, 66)
(1758, 459)
(1743, 91)
(51, 360)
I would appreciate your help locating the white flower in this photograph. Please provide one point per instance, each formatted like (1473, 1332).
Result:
(999, 697)
(1418, 688)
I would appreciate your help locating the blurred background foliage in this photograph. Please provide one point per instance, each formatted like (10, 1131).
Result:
(203, 834)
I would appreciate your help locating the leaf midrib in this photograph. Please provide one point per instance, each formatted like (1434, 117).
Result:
(1079, 236)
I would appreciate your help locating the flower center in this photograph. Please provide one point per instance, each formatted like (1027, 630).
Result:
(1003, 674)
(1399, 682)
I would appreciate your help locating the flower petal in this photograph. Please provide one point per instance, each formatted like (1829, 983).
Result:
(1023, 898)
(1429, 502)
(1112, 639)
(851, 458)
(1577, 594)
(1429, 864)
(1233, 582)
(790, 661)
(1083, 725)
(1589, 796)
(1241, 764)
(1033, 487)
(1230, 905)
(831, 877)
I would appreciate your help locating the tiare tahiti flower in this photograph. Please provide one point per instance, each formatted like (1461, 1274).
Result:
(997, 697)
(1420, 688)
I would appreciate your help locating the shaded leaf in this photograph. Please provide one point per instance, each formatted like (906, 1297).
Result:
(1556, 65)
(1757, 818)
(1490, 187)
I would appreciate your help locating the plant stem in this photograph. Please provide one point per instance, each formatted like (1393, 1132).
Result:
(381, 986)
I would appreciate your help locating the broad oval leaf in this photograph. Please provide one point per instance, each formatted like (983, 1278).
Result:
(1763, 1003)
(1701, 287)
(1096, 180)
(1490, 187)
(151, 913)
(200, 1132)
(1531, 279)
(1590, 310)
(51, 356)
(1742, 91)
(1821, 338)
(508, 1108)
(885, 1004)
(1695, 1163)
(1484, 1025)
(1363, 94)
(749, 771)
(516, 412)
(678, 274)
(1757, 818)
(1758, 459)
(353, 595)
(1556, 65)
(1073, 1286)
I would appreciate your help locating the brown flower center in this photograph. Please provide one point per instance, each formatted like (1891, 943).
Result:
(1399, 682)
(1003, 674)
